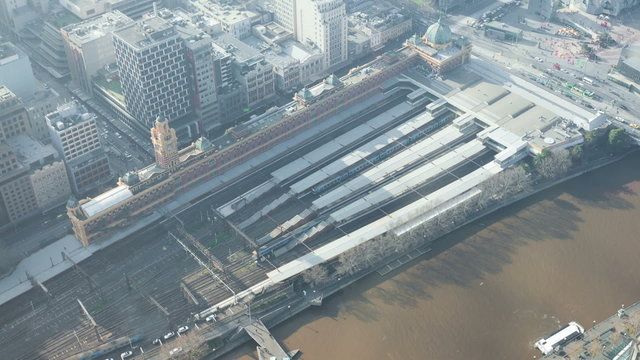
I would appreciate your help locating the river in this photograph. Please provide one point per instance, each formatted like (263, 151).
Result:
(490, 289)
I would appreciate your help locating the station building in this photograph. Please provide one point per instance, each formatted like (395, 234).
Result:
(507, 119)
(440, 49)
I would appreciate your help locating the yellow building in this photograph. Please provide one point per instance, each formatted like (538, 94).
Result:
(138, 194)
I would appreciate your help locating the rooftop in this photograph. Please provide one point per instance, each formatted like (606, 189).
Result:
(31, 152)
(69, 114)
(504, 27)
(500, 106)
(106, 200)
(9, 53)
(61, 17)
(96, 27)
(224, 13)
(242, 52)
(146, 32)
(376, 15)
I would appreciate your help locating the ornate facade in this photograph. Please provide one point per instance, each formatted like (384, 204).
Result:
(440, 49)
(138, 195)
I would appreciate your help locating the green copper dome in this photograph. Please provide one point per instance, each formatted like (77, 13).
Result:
(203, 144)
(131, 178)
(72, 202)
(438, 33)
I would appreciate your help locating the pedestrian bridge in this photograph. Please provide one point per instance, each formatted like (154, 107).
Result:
(268, 346)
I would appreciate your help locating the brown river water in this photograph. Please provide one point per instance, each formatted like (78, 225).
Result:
(492, 288)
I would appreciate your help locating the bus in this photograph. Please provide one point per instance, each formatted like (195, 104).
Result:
(588, 80)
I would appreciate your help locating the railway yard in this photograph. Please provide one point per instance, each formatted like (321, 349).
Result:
(409, 146)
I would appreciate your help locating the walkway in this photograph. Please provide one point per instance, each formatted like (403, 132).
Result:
(268, 347)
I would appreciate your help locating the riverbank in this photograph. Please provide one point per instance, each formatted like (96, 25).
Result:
(297, 305)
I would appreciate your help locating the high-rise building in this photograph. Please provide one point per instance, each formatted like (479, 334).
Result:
(201, 63)
(284, 13)
(74, 134)
(323, 23)
(151, 58)
(14, 118)
(89, 46)
(15, 71)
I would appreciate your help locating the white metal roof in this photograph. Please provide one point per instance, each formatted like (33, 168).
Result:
(410, 180)
(247, 197)
(395, 163)
(380, 226)
(547, 345)
(360, 153)
(106, 200)
(312, 157)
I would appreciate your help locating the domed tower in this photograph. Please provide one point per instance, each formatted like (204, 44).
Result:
(438, 36)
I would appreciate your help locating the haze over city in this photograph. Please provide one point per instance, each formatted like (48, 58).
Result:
(311, 179)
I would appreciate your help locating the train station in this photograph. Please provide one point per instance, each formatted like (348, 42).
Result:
(392, 144)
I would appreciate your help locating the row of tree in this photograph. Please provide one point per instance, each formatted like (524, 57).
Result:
(497, 188)
(494, 191)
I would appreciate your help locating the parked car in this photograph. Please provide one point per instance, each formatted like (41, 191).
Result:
(126, 354)
(175, 351)
(183, 329)
(169, 335)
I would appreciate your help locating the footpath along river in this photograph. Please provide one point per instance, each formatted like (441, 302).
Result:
(490, 289)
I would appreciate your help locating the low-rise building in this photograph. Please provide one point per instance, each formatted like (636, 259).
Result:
(380, 21)
(502, 31)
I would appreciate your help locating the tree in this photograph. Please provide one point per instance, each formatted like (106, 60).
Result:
(576, 153)
(617, 139)
(605, 40)
(552, 164)
(316, 275)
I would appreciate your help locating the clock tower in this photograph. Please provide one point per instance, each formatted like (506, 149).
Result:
(165, 144)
